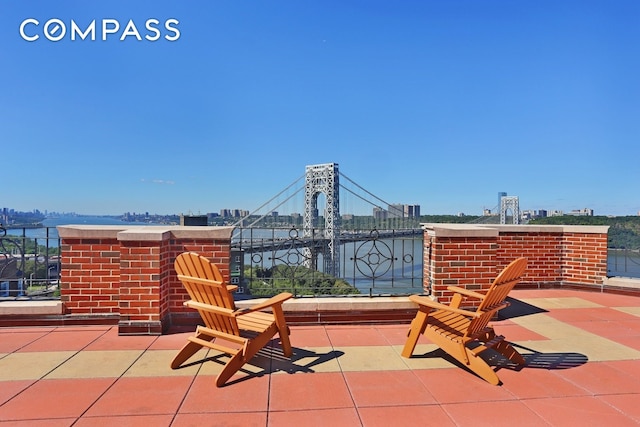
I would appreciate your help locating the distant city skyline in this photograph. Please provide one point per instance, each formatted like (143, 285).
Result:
(430, 103)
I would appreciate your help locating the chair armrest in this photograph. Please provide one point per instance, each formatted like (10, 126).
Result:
(424, 301)
(271, 302)
(466, 292)
(210, 308)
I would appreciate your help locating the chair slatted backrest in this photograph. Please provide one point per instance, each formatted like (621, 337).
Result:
(191, 267)
(497, 293)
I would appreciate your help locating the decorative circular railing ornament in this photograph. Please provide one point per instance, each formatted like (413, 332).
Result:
(290, 252)
(373, 258)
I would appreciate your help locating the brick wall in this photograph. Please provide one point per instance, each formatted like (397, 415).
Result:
(90, 277)
(127, 273)
(471, 256)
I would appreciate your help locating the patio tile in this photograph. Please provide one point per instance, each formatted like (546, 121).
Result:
(142, 396)
(610, 299)
(387, 388)
(309, 336)
(314, 418)
(347, 336)
(503, 413)
(54, 422)
(10, 389)
(309, 391)
(371, 358)
(560, 302)
(514, 332)
(425, 356)
(125, 421)
(394, 334)
(13, 340)
(55, 399)
(634, 311)
(96, 364)
(71, 339)
(625, 403)
(457, 385)
(575, 411)
(599, 314)
(627, 367)
(601, 378)
(307, 360)
(112, 341)
(157, 363)
(531, 383)
(244, 396)
(171, 341)
(405, 416)
(32, 366)
(243, 419)
(566, 337)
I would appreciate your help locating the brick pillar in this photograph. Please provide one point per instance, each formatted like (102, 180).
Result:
(459, 256)
(126, 275)
(143, 283)
(90, 274)
(585, 255)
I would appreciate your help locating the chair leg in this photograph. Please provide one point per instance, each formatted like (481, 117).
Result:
(482, 368)
(185, 353)
(463, 355)
(417, 327)
(283, 332)
(232, 366)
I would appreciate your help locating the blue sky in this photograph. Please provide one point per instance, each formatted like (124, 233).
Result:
(437, 103)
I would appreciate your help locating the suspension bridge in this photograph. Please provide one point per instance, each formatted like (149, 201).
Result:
(322, 235)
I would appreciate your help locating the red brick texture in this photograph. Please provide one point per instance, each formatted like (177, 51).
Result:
(128, 275)
(472, 256)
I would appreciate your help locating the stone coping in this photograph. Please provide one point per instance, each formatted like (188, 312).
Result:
(143, 233)
(345, 304)
(30, 308)
(490, 230)
(622, 282)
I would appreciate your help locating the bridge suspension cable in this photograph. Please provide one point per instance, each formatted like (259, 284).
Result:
(271, 200)
(366, 191)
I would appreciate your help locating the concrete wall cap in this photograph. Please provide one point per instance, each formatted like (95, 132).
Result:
(459, 230)
(90, 231)
(142, 232)
(487, 230)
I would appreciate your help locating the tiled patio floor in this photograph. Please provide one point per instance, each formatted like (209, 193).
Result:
(583, 368)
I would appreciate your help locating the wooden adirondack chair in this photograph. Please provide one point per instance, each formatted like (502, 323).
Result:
(240, 333)
(465, 334)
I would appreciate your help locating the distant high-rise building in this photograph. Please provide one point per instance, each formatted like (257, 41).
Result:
(581, 212)
(403, 211)
(395, 211)
(411, 211)
(379, 213)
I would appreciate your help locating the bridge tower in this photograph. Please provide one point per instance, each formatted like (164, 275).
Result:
(323, 179)
(506, 203)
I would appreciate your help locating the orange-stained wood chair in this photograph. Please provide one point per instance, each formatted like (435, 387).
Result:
(465, 334)
(242, 332)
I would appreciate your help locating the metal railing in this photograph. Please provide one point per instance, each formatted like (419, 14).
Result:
(29, 263)
(265, 261)
(372, 262)
(623, 263)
